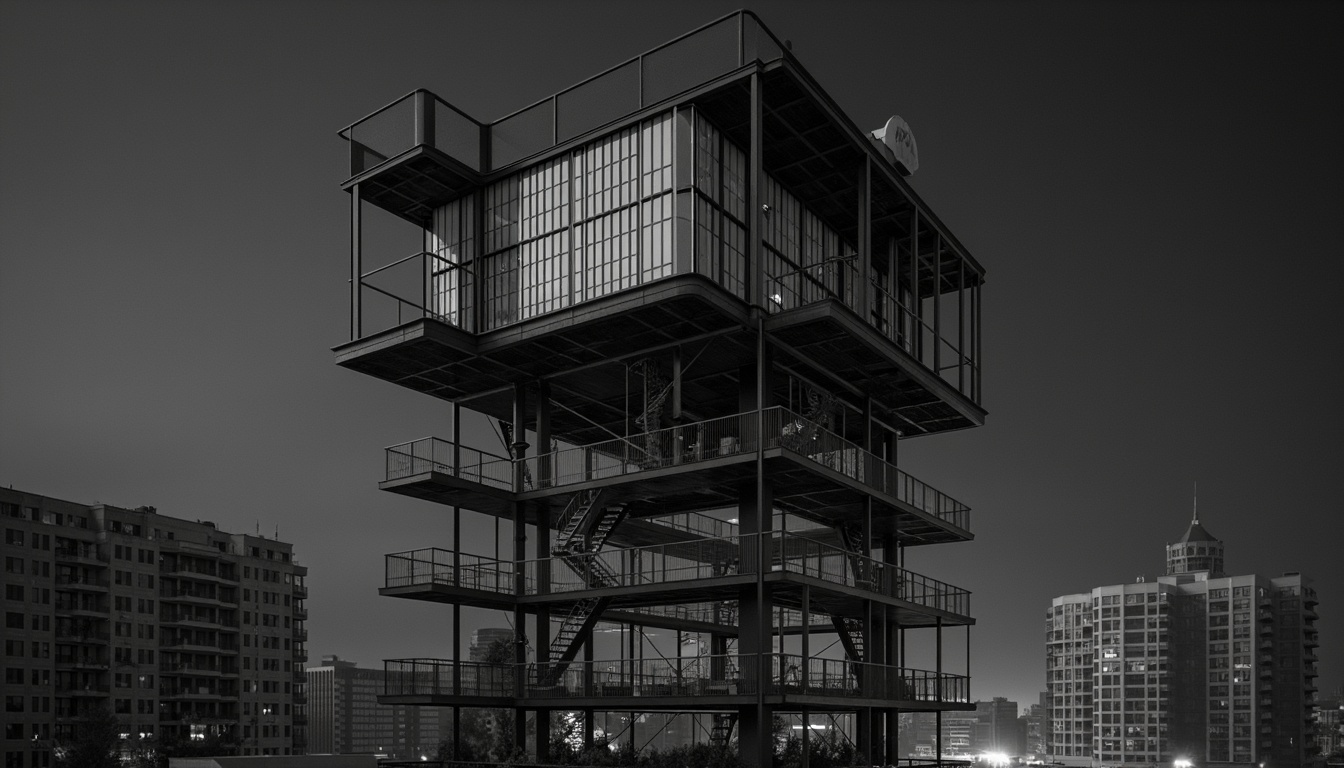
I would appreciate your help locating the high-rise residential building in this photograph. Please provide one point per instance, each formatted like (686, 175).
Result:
(1196, 665)
(181, 630)
(345, 717)
(709, 314)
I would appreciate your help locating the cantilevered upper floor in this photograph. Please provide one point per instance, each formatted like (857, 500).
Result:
(690, 198)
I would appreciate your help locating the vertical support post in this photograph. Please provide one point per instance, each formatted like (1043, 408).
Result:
(676, 384)
(938, 666)
(478, 275)
(915, 310)
(356, 262)
(807, 733)
(968, 662)
(456, 413)
(518, 450)
(938, 737)
(457, 727)
(806, 639)
(755, 174)
(961, 324)
(979, 338)
(938, 303)
(543, 477)
(864, 234)
(424, 118)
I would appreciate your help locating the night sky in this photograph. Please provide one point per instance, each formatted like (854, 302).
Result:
(1156, 191)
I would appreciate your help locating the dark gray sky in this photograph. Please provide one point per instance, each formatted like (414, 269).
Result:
(1155, 189)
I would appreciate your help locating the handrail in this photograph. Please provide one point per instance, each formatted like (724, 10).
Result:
(699, 676)
(684, 444)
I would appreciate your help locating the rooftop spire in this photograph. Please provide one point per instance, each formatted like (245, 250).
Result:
(1195, 519)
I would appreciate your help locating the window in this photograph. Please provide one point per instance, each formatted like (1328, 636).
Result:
(14, 592)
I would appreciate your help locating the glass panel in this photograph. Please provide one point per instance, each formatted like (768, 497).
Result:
(757, 43)
(450, 241)
(385, 134)
(599, 101)
(457, 135)
(691, 61)
(525, 133)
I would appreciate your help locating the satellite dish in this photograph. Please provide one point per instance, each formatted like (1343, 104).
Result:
(897, 138)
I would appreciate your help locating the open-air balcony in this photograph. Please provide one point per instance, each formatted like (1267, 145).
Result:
(824, 476)
(439, 573)
(66, 582)
(710, 681)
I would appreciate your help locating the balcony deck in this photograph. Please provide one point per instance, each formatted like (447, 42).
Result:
(682, 683)
(816, 475)
(697, 571)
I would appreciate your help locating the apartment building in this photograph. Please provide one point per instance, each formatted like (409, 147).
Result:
(1196, 665)
(181, 630)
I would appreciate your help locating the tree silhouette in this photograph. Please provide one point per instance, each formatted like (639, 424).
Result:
(97, 741)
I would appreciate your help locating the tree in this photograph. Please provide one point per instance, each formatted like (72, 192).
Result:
(97, 741)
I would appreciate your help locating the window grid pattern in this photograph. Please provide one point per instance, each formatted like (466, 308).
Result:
(450, 240)
(720, 209)
(578, 227)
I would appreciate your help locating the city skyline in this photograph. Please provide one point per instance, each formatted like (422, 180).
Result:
(1157, 228)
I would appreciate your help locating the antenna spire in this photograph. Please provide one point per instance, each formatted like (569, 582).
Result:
(1195, 519)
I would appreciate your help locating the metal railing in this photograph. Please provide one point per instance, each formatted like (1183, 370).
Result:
(799, 554)
(687, 444)
(422, 119)
(732, 555)
(719, 675)
(699, 676)
(423, 567)
(434, 677)
(918, 337)
(430, 454)
(677, 446)
(654, 564)
(694, 522)
(790, 673)
(836, 453)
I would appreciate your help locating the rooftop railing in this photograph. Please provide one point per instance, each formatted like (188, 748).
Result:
(423, 119)
(680, 445)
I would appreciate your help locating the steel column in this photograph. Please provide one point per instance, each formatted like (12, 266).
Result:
(356, 263)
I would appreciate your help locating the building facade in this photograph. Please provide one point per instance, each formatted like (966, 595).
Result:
(181, 630)
(345, 717)
(1196, 665)
(707, 313)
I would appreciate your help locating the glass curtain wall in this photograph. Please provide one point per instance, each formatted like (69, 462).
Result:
(596, 221)
(600, 220)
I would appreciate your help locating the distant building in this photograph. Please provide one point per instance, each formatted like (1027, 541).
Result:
(997, 728)
(181, 630)
(1197, 664)
(346, 718)
(992, 727)
(482, 639)
(1330, 724)
(1034, 725)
